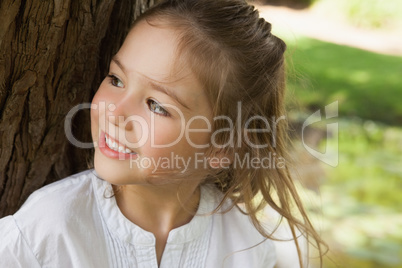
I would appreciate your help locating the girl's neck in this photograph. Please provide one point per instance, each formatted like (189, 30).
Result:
(159, 208)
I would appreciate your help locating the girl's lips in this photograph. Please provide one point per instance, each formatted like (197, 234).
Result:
(111, 153)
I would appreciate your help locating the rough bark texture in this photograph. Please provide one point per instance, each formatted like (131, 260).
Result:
(53, 55)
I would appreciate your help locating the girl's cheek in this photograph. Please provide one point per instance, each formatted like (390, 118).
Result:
(97, 113)
(94, 121)
(164, 132)
(100, 103)
(95, 109)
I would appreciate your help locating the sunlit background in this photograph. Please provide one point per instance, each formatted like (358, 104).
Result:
(348, 51)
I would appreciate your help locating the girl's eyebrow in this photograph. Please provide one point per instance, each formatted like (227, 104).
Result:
(155, 86)
(168, 92)
(118, 63)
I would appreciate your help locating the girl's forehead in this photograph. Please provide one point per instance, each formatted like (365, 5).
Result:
(154, 49)
(152, 52)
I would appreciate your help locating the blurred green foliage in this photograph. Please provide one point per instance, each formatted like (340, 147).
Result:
(370, 157)
(367, 85)
(361, 198)
(358, 207)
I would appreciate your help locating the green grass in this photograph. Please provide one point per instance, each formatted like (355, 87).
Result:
(366, 84)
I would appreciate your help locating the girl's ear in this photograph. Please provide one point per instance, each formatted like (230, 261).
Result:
(220, 160)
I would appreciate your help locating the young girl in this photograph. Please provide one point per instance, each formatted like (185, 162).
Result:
(189, 137)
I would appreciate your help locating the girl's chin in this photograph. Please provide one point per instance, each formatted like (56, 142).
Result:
(117, 172)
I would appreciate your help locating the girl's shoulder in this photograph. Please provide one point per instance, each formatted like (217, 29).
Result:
(57, 204)
(52, 222)
(60, 196)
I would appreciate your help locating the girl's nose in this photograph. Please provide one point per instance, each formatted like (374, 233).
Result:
(119, 113)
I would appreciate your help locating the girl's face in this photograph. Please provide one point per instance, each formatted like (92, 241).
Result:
(148, 117)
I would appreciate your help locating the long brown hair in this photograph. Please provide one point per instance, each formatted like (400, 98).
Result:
(233, 53)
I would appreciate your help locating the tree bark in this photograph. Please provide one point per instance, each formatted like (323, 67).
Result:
(53, 56)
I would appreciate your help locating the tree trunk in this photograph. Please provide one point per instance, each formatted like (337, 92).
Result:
(53, 56)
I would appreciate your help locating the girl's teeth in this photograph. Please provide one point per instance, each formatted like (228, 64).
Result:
(113, 145)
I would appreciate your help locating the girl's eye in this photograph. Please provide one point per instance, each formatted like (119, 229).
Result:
(157, 108)
(115, 81)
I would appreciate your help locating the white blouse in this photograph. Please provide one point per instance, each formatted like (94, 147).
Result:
(75, 223)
